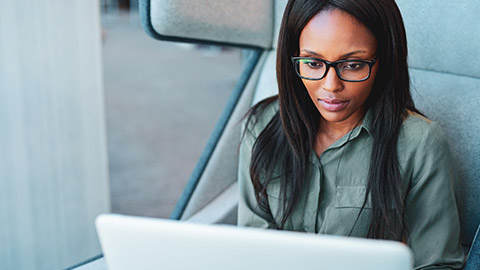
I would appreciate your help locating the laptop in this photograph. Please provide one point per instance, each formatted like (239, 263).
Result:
(149, 243)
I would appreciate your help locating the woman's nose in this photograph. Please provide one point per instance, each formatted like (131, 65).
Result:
(331, 82)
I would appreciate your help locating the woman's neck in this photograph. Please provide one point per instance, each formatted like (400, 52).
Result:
(336, 130)
(330, 132)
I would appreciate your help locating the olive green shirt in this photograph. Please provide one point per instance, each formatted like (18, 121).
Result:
(335, 189)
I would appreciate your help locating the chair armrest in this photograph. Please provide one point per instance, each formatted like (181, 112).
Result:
(473, 259)
(223, 209)
(97, 263)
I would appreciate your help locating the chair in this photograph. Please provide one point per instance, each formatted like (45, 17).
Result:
(444, 47)
(210, 195)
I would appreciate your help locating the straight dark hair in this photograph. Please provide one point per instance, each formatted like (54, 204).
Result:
(292, 131)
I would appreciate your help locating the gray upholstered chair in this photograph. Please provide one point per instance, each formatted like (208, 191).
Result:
(444, 50)
(444, 47)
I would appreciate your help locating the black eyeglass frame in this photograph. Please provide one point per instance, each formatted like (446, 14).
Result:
(334, 65)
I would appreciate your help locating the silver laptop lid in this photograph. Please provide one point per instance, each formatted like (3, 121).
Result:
(148, 243)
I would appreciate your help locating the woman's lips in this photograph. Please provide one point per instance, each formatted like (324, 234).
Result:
(333, 105)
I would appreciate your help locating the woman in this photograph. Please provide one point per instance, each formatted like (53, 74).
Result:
(342, 149)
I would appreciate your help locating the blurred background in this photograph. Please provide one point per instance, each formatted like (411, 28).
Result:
(95, 117)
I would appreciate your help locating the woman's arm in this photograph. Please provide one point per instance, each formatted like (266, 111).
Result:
(249, 213)
(431, 210)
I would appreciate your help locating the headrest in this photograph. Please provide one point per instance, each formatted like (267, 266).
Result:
(246, 23)
(443, 35)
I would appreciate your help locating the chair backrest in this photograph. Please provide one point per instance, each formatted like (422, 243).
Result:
(444, 48)
(444, 51)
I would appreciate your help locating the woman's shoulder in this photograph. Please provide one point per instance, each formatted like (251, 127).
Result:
(416, 123)
(419, 130)
(422, 146)
(261, 114)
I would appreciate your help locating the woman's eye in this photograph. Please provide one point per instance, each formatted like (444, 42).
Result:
(354, 65)
(314, 64)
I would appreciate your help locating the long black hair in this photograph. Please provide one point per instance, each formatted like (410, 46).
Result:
(292, 131)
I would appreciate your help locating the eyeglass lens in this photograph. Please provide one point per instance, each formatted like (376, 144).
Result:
(315, 69)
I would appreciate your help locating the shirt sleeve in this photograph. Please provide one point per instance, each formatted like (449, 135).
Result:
(249, 213)
(431, 210)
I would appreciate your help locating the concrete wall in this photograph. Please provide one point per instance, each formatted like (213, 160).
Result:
(53, 161)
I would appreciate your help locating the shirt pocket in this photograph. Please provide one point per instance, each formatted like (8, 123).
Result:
(341, 216)
(346, 216)
(351, 197)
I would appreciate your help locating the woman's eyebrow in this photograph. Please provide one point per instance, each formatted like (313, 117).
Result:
(311, 52)
(343, 56)
(353, 53)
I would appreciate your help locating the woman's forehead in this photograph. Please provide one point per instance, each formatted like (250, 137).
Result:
(334, 33)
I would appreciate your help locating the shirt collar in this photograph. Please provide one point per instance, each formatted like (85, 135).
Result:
(368, 121)
(366, 125)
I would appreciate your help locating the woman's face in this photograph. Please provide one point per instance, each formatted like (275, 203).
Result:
(334, 35)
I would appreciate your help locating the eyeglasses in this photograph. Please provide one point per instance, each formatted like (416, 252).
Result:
(311, 68)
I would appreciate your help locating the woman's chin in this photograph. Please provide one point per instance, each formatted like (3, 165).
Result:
(340, 116)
